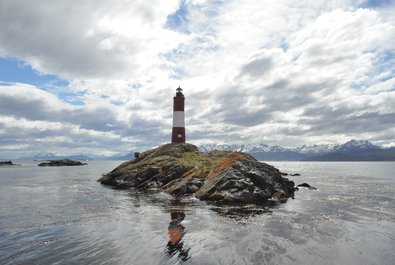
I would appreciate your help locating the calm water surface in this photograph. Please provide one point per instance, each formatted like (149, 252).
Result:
(63, 216)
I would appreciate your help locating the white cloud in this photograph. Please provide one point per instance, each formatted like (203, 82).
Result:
(88, 39)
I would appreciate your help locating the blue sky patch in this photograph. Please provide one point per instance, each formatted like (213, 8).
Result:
(117, 102)
(385, 62)
(15, 71)
(72, 97)
(377, 3)
(178, 21)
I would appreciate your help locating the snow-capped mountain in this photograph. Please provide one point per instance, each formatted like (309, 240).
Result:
(266, 152)
(304, 149)
(257, 148)
(246, 148)
(355, 145)
(54, 156)
(316, 149)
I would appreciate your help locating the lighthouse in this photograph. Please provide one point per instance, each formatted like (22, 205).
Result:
(178, 132)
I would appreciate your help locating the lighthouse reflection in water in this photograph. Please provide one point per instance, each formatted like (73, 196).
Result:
(176, 232)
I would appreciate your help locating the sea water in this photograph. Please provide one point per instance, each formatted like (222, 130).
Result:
(62, 215)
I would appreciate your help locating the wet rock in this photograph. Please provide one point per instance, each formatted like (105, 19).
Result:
(61, 163)
(218, 176)
(305, 185)
(183, 186)
(241, 179)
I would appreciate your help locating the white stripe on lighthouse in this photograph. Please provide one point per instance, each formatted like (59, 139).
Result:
(178, 119)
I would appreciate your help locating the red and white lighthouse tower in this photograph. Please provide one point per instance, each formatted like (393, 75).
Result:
(178, 133)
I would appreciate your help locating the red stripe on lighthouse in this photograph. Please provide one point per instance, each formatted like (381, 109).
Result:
(178, 135)
(178, 103)
(178, 132)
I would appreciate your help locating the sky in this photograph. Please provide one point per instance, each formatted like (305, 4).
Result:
(98, 77)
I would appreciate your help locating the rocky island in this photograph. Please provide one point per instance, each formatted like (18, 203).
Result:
(61, 163)
(6, 163)
(218, 176)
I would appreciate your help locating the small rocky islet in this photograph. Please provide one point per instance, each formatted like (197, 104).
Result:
(219, 176)
(61, 163)
(6, 163)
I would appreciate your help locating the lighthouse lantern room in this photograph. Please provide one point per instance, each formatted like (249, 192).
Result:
(178, 132)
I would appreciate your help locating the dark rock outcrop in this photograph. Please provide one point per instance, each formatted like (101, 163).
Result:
(306, 185)
(6, 163)
(219, 176)
(61, 163)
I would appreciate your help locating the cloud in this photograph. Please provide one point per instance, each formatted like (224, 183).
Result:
(87, 40)
(26, 101)
(258, 66)
(279, 72)
(36, 120)
(26, 137)
(309, 87)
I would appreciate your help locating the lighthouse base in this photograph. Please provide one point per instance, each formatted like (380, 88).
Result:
(178, 135)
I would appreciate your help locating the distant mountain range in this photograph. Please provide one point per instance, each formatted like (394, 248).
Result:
(52, 156)
(353, 150)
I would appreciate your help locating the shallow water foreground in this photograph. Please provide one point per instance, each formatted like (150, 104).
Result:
(63, 216)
